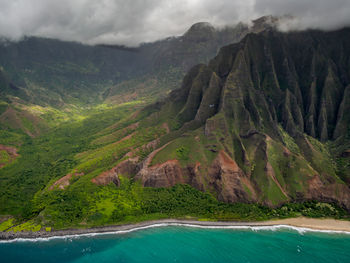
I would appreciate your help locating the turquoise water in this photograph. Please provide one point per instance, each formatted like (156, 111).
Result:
(186, 244)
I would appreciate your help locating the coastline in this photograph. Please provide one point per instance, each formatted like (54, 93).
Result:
(300, 224)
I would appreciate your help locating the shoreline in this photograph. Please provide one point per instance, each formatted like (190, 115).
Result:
(300, 224)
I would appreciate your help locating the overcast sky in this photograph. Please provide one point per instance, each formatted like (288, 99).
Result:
(131, 22)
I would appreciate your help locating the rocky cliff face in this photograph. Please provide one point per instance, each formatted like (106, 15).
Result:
(299, 79)
(256, 118)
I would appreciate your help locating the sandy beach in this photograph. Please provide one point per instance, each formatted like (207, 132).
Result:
(313, 223)
(300, 222)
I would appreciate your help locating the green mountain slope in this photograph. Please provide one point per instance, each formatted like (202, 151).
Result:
(54, 81)
(261, 131)
(266, 108)
(44, 82)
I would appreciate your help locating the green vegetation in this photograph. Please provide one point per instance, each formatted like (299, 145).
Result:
(49, 157)
(8, 137)
(105, 157)
(4, 157)
(289, 141)
(132, 203)
(188, 149)
(182, 153)
(27, 226)
(3, 107)
(7, 224)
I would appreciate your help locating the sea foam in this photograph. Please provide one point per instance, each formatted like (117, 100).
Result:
(300, 230)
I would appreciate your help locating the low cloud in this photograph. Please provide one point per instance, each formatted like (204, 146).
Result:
(315, 14)
(133, 22)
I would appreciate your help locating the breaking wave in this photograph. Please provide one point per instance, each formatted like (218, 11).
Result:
(300, 230)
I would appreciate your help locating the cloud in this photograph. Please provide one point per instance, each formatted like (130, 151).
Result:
(132, 22)
(316, 14)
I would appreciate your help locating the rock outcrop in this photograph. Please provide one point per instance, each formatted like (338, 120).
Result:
(328, 192)
(65, 181)
(106, 178)
(229, 180)
(162, 175)
(126, 167)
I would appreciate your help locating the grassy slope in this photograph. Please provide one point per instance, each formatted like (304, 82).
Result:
(50, 155)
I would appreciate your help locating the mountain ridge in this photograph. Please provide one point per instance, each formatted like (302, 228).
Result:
(77, 68)
(256, 92)
(260, 131)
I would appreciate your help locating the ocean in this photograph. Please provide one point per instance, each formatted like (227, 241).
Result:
(185, 244)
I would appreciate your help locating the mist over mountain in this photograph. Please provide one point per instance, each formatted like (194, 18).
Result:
(131, 23)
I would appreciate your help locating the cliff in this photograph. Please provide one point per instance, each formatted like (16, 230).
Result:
(259, 119)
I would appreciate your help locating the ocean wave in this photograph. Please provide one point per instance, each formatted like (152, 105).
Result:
(74, 236)
(300, 230)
